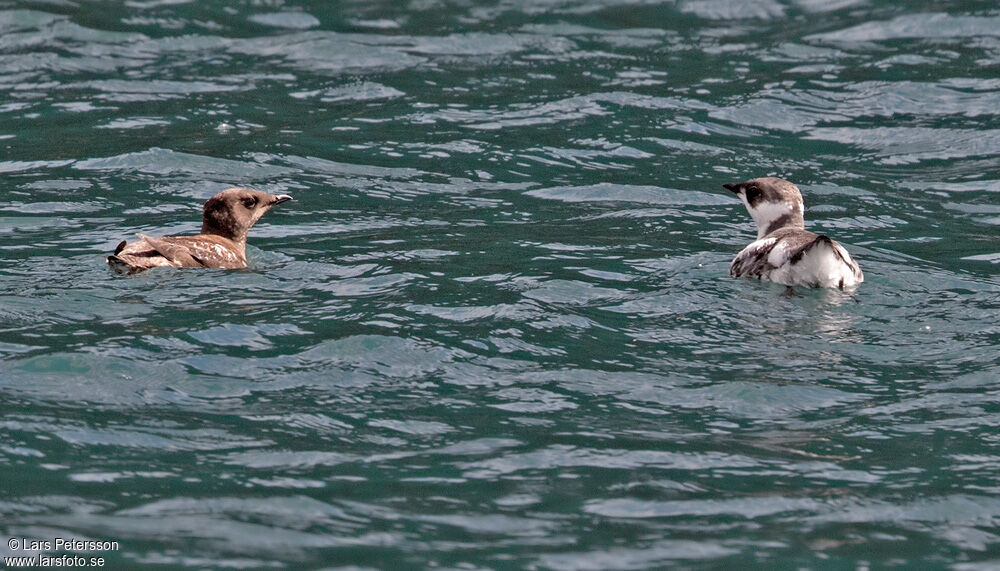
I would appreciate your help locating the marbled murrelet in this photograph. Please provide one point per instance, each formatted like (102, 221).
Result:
(785, 252)
(228, 217)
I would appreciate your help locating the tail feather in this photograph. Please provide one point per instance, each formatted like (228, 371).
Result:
(119, 265)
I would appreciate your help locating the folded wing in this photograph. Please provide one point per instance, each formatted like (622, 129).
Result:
(178, 254)
(752, 261)
(797, 257)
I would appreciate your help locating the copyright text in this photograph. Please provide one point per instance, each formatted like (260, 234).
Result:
(89, 548)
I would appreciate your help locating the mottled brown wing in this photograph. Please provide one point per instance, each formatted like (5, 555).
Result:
(212, 251)
(177, 253)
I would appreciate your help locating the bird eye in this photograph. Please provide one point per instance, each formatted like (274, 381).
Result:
(753, 193)
(250, 201)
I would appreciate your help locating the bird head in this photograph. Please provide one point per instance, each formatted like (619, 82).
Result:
(773, 203)
(231, 213)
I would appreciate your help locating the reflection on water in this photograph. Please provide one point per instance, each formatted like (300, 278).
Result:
(495, 328)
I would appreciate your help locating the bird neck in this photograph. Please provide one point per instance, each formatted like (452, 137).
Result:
(239, 239)
(772, 216)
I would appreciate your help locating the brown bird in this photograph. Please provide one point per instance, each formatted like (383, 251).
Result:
(228, 216)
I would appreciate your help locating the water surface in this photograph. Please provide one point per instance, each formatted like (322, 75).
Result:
(495, 328)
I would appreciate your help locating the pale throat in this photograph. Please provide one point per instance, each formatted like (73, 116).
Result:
(771, 216)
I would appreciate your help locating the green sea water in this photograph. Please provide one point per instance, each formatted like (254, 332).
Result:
(495, 328)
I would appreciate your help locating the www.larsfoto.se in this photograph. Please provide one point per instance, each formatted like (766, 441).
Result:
(52, 561)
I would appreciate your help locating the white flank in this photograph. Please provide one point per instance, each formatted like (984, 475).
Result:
(818, 267)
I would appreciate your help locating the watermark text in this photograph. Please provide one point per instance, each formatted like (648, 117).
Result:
(33, 552)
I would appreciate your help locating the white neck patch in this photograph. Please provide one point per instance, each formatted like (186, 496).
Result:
(767, 212)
